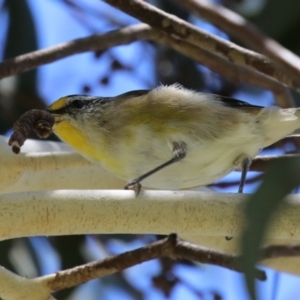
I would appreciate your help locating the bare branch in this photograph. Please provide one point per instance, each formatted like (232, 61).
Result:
(239, 27)
(171, 247)
(275, 251)
(231, 71)
(261, 163)
(95, 42)
(129, 34)
(176, 27)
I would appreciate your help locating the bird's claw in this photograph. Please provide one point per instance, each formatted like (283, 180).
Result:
(134, 186)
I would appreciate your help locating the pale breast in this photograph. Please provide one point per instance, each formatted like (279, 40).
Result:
(206, 160)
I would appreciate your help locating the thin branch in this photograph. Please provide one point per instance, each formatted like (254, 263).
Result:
(261, 163)
(227, 184)
(274, 251)
(171, 247)
(176, 27)
(239, 27)
(95, 42)
(129, 34)
(17, 287)
(231, 71)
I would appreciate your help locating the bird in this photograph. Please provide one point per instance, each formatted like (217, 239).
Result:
(169, 137)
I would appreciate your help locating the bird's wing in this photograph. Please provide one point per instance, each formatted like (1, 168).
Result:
(135, 93)
(231, 102)
(238, 104)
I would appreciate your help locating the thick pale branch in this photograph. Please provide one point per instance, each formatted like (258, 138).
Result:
(176, 27)
(220, 216)
(96, 211)
(49, 170)
(16, 287)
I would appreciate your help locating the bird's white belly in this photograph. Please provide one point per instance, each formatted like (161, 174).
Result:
(199, 168)
(205, 162)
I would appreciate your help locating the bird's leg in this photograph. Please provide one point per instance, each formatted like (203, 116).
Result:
(179, 153)
(246, 162)
(245, 168)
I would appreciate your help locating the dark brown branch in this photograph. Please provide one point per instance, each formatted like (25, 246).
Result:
(280, 251)
(228, 184)
(261, 163)
(129, 34)
(176, 27)
(239, 27)
(95, 42)
(171, 247)
(231, 71)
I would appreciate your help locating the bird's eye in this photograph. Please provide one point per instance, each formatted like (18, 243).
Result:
(77, 104)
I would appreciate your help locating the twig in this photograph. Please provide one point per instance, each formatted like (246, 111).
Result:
(231, 71)
(129, 34)
(235, 183)
(274, 251)
(261, 163)
(239, 27)
(171, 247)
(176, 27)
(95, 42)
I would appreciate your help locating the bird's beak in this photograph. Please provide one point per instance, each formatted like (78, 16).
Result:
(57, 118)
(57, 114)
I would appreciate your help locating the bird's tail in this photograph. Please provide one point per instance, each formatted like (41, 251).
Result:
(278, 123)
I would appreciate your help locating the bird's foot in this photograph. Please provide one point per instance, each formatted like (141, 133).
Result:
(134, 186)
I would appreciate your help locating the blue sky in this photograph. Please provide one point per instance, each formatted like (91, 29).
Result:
(81, 69)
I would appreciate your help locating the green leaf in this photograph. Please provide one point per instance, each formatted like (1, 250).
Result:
(282, 177)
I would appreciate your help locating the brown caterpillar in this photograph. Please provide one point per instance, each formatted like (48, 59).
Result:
(40, 121)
